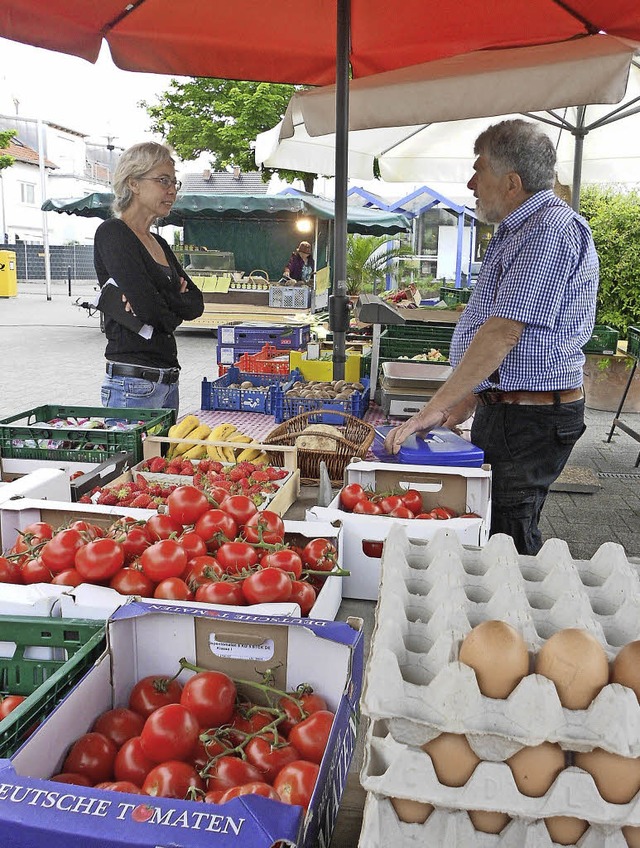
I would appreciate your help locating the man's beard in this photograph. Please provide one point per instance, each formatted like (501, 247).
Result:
(487, 216)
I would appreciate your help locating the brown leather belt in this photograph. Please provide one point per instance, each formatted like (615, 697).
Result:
(492, 396)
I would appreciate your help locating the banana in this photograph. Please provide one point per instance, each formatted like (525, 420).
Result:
(213, 451)
(201, 432)
(228, 453)
(238, 437)
(263, 459)
(222, 431)
(248, 455)
(180, 431)
(195, 452)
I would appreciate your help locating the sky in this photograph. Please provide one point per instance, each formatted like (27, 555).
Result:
(99, 100)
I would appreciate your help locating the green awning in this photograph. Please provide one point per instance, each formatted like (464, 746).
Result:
(204, 207)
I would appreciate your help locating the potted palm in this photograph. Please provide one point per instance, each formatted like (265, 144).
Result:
(369, 258)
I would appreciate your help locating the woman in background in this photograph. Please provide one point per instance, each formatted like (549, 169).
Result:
(300, 265)
(145, 292)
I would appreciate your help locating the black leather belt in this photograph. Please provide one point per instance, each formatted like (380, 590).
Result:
(154, 375)
(489, 397)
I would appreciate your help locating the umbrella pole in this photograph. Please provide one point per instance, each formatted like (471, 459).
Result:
(339, 302)
(579, 134)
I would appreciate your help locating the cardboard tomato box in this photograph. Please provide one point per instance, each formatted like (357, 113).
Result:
(145, 639)
(39, 483)
(461, 489)
(90, 601)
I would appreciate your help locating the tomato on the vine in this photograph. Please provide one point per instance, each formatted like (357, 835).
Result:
(92, 755)
(222, 592)
(172, 779)
(299, 706)
(412, 499)
(166, 558)
(153, 692)
(162, 526)
(401, 512)
(268, 756)
(265, 526)
(134, 541)
(193, 544)
(443, 512)
(35, 571)
(202, 569)
(350, 496)
(216, 527)
(372, 549)
(320, 555)
(310, 736)
(119, 725)
(367, 508)
(68, 577)
(90, 531)
(132, 763)
(267, 586)
(210, 696)
(169, 733)
(132, 581)
(388, 503)
(236, 557)
(296, 781)
(9, 703)
(99, 560)
(186, 504)
(256, 787)
(240, 508)
(58, 554)
(173, 589)
(303, 594)
(285, 559)
(231, 771)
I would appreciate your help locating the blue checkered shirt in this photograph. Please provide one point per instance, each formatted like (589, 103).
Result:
(540, 268)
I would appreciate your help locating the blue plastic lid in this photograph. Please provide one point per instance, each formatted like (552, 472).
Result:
(438, 447)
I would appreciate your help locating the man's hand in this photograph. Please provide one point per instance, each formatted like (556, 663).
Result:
(422, 422)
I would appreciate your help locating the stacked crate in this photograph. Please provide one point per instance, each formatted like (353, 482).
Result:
(407, 341)
(237, 339)
(416, 690)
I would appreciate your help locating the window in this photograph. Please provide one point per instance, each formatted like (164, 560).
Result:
(28, 194)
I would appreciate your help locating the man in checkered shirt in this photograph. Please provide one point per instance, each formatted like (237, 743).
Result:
(517, 348)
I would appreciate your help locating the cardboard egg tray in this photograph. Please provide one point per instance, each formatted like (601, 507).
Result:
(453, 829)
(396, 770)
(433, 593)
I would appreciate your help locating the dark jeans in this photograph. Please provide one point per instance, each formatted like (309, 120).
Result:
(527, 447)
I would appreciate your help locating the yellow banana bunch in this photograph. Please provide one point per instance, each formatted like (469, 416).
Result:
(202, 431)
(181, 431)
(226, 453)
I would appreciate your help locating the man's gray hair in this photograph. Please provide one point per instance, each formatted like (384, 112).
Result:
(522, 147)
(135, 162)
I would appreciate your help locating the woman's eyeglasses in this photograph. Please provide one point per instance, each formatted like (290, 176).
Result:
(165, 182)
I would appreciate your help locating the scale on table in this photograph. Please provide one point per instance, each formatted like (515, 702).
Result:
(440, 446)
(371, 309)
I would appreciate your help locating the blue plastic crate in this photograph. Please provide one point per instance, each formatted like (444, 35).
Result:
(218, 394)
(257, 335)
(287, 407)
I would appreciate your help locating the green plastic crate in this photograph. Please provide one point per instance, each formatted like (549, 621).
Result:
(452, 296)
(603, 340)
(28, 435)
(633, 342)
(430, 332)
(393, 348)
(73, 645)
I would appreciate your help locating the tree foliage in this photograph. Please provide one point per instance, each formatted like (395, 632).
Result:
(222, 118)
(5, 138)
(368, 259)
(614, 218)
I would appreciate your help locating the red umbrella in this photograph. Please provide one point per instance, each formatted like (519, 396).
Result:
(312, 42)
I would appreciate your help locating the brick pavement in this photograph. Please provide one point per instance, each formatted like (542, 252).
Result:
(53, 352)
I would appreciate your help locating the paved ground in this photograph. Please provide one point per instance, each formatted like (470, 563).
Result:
(53, 352)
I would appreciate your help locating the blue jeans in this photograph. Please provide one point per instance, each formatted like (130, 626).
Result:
(135, 393)
(527, 447)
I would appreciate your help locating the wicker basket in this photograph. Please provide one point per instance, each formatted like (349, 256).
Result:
(356, 440)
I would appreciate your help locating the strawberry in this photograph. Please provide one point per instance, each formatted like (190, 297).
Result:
(141, 501)
(204, 465)
(260, 476)
(141, 483)
(85, 499)
(107, 499)
(157, 465)
(187, 467)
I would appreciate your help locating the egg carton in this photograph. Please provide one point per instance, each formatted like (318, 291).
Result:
(433, 593)
(453, 829)
(401, 771)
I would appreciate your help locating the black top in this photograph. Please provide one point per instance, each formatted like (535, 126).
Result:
(152, 290)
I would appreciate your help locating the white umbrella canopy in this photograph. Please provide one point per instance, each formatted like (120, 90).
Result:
(404, 119)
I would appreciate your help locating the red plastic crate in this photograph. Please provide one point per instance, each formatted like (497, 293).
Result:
(266, 361)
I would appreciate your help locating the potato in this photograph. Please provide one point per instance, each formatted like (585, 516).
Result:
(247, 384)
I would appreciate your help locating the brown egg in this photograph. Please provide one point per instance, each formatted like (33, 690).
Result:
(626, 667)
(577, 664)
(565, 830)
(535, 768)
(632, 835)
(498, 655)
(413, 812)
(617, 778)
(488, 822)
(453, 759)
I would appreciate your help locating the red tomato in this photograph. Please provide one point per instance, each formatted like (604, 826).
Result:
(296, 781)
(69, 577)
(231, 771)
(59, 553)
(367, 508)
(186, 504)
(303, 594)
(239, 507)
(443, 513)
(193, 544)
(202, 569)
(227, 594)
(268, 757)
(132, 581)
(264, 526)
(299, 707)
(235, 557)
(401, 512)
(216, 527)
(310, 736)
(9, 703)
(169, 733)
(173, 589)
(36, 532)
(286, 559)
(372, 549)
(99, 560)
(134, 541)
(152, 692)
(9, 571)
(132, 763)
(89, 531)
(389, 503)
(412, 499)
(119, 725)
(256, 787)
(121, 786)
(469, 515)
(350, 496)
(424, 515)
(247, 721)
(162, 526)
(35, 571)
(320, 555)
(92, 755)
(210, 696)
(70, 777)
(163, 559)
(205, 751)
(267, 586)
(172, 779)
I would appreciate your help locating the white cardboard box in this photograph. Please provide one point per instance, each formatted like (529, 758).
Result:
(50, 483)
(146, 639)
(462, 489)
(101, 602)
